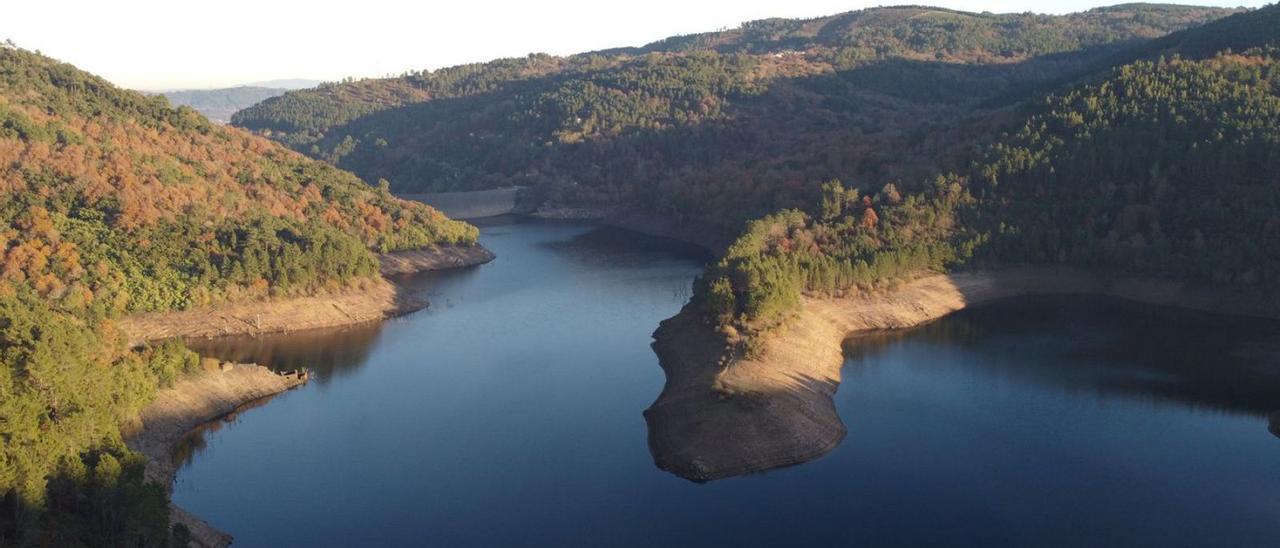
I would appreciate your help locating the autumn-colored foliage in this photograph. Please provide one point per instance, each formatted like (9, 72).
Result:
(112, 202)
(115, 199)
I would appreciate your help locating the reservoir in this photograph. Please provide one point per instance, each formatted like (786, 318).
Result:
(509, 413)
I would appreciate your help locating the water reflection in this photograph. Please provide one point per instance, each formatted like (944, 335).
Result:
(332, 353)
(516, 395)
(196, 442)
(620, 248)
(328, 353)
(1111, 347)
(1095, 350)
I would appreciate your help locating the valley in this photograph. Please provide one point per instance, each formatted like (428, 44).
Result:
(1019, 272)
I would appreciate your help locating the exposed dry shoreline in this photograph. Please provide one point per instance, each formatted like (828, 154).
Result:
(722, 415)
(378, 300)
(442, 258)
(197, 401)
(190, 403)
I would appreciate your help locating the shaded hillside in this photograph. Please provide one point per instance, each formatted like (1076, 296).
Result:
(113, 202)
(718, 127)
(1168, 166)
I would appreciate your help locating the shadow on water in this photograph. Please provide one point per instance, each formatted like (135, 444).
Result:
(1112, 347)
(328, 353)
(1115, 350)
(622, 248)
(195, 442)
(521, 402)
(438, 286)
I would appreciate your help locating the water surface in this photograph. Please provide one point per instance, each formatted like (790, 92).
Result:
(509, 413)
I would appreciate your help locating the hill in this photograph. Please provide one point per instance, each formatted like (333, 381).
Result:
(715, 128)
(112, 202)
(929, 33)
(1168, 165)
(219, 104)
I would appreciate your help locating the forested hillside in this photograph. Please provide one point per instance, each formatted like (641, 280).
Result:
(936, 33)
(1168, 166)
(718, 127)
(113, 202)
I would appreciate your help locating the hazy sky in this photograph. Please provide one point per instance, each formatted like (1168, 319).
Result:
(154, 44)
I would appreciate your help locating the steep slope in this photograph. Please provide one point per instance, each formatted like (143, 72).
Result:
(719, 127)
(1238, 32)
(1167, 166)
(177, 211)
(112, 202)
(1156, 181)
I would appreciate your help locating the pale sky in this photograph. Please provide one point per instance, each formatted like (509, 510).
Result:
(153, 44)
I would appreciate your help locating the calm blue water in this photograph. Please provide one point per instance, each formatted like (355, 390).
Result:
(509, 413)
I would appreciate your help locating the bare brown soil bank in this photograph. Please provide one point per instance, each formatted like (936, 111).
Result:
(444, 257)
(380, 300)
(189, 404)
(377, 300)
(721, 414)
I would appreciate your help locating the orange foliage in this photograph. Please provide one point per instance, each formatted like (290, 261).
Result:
(869, 219)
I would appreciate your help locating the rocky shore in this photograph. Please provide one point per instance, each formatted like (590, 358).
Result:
(722, 414)
(190, 403)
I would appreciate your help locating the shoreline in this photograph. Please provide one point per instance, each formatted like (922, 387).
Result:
(186, 406)
(721, 414)
(213, 395)
(427, 260)
(380, 299)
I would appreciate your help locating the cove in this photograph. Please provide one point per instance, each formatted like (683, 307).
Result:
(509, 413)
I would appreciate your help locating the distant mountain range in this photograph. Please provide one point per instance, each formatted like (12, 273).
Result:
(285, 83)
(219, 104)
